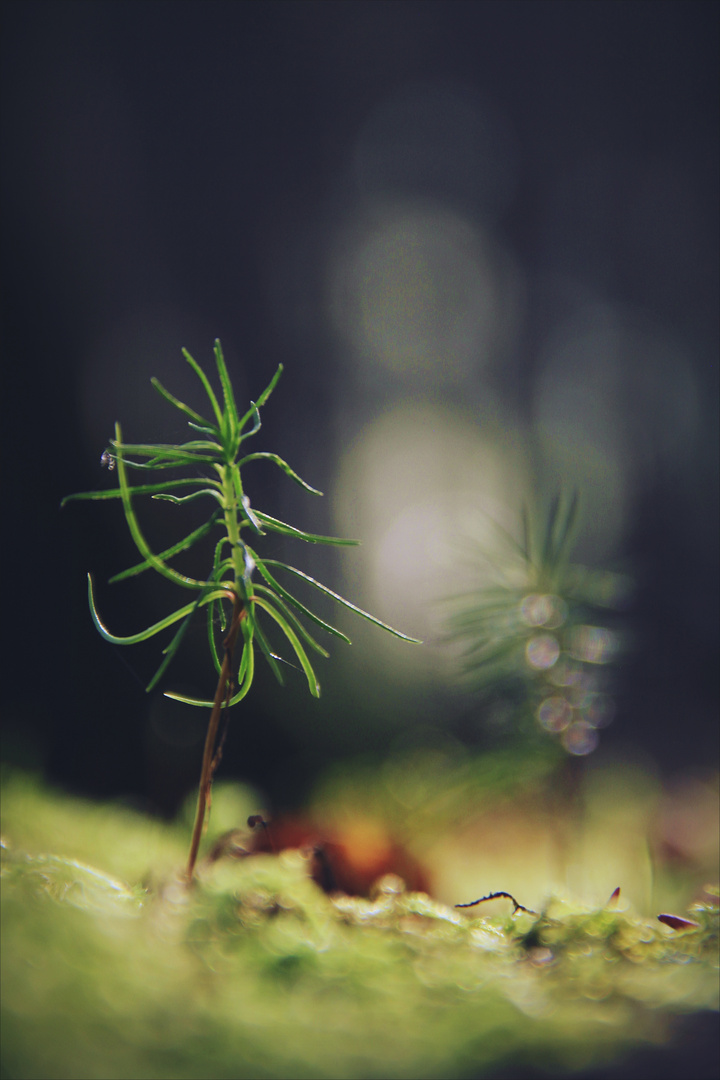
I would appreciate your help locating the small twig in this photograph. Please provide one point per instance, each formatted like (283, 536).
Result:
(496, 896)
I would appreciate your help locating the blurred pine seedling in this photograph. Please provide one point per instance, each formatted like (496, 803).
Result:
(539, 635)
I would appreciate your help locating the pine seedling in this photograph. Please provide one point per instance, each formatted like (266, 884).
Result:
(241, 593)
(536, 641)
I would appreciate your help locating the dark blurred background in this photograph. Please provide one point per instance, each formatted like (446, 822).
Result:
(482, 238)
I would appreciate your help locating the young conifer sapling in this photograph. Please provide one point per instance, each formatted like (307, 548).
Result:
(241, 587)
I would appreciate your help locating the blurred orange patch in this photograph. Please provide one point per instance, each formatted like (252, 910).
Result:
(347, 857)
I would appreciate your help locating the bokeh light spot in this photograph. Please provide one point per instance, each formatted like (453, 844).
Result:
(555, 713)
(543, 610)
(616, 398)
(542, 651)
(580, 738)
(414, 292)
(414, 484)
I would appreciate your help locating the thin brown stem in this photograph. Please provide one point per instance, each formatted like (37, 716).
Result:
(495, 896)
(210, 758)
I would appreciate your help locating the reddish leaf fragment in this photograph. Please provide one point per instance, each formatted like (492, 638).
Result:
(676, 922)
(614, 897)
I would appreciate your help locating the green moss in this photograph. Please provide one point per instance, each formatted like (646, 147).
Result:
(257, 973)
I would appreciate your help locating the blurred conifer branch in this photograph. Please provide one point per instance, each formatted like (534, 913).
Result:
(536, 641)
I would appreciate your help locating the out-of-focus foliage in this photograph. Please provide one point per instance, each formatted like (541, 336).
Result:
(255, 972)
(535, 634)
(522, 820)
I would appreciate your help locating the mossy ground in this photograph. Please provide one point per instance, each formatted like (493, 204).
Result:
(111, 968)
